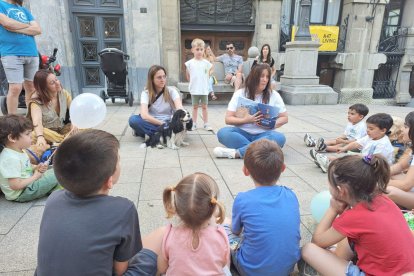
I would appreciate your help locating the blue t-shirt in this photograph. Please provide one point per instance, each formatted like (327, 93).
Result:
(269, 217)
(16, 44)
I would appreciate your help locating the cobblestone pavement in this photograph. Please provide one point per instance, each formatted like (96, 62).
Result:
(145, 173)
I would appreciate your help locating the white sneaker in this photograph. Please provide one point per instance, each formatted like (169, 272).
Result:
(323, 162)
(194, 127)
(220, 152)
(208, 127)
(309, 141)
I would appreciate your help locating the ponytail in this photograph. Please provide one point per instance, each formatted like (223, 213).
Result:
(381, 172)
(167, 198)
(221, 211)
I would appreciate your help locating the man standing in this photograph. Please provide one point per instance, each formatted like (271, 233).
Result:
(232, 67)
(18, 49)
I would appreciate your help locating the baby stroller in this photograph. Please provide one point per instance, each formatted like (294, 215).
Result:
(114, 66)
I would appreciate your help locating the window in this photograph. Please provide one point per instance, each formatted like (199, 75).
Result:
(323, 12)
(317, 11)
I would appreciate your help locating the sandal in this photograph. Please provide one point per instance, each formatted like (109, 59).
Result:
(213, 97)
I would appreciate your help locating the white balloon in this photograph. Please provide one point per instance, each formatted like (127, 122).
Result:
(87, 110)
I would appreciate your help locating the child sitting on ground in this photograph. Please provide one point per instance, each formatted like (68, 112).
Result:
(20, 180)
(355, 129)
(198, 71)
(84, 231)
(196, 245)
(376, 141)
(362, 221)
(264, 234)
(396, 137)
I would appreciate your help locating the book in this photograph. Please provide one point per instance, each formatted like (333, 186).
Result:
(270, 113)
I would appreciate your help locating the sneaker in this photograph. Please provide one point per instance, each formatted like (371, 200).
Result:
(320, 145)
(305, 269)
(313, 153)
(220, 152)
(309, 141)
(323, 162)
(194, 126)
(208, 127)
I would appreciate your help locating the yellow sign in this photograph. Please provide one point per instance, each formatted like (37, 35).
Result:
(325, 35)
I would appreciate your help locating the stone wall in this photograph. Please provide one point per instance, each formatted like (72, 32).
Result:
(267, 15)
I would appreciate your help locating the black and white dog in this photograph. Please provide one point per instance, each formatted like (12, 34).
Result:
(173, 133)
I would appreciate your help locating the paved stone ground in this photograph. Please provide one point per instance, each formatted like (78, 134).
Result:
(145, 173)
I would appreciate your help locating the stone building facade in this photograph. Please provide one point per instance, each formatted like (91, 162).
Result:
(372, 63)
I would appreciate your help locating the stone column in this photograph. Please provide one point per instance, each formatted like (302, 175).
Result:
(355, 74)
(267, 24)
(171, 39)
(403, 95)
(300, 85)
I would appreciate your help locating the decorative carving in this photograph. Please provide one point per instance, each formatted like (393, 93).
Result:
(92, 76)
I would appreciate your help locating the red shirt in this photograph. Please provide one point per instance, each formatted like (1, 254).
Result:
(382, 239)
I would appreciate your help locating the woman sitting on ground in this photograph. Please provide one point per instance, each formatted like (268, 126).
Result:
(49, 109)
(401, 185)
(158, 103)
(247, 128)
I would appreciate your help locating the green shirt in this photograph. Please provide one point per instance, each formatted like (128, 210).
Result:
(13, 164)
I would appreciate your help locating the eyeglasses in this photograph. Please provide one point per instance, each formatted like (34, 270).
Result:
(53, 82)
(229, 48)
(161, 77)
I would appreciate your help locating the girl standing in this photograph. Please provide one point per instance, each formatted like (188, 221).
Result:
(366, 224)
(209, 55)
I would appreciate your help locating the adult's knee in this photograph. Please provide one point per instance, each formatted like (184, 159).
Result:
(134, 121)
(223, 133)
(15, 89)
(278, 137)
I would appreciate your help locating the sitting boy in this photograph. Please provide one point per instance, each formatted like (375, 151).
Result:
(266, 218)
(355, 129)
(84, 231)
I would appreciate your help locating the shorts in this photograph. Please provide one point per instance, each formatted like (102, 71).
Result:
(20, 68)
(235, 243)
(144, 263)
(233, 79)
(353, 270)
(196, 99)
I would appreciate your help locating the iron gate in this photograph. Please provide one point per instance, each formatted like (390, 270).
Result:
(392, 44)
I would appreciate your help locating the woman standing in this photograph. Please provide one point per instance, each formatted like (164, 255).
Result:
(266, 57)
(247, 128)
(158, 103)
(49, 109)
(209, 55)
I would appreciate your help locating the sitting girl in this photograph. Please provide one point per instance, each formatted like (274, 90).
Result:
(19, 180)
(362, 220)
(400, 187)
(197, 245)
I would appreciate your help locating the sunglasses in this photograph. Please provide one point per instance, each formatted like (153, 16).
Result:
(229, 48)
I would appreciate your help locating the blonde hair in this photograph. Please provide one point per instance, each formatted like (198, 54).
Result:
(210, 57)
(197, 43)
(194, 201)
(396, 131)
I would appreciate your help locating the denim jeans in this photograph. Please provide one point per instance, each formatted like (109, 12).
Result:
(236, 138)
(141, 127)
(210, 84)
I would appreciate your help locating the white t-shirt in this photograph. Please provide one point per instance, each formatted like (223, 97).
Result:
(275, 100)
(160, 109)
(199, 76)
(382, 146)
(357, 131)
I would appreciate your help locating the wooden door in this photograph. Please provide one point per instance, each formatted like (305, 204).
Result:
(217, 42)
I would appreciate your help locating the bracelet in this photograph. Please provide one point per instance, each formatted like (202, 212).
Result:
(41, 135)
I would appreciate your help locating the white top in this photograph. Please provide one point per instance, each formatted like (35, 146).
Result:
(412, 160)
(199, 76)
(382, 146)
(275, 100)
(357, 131)
(161, 109)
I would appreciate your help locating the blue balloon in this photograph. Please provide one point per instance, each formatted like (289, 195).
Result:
(320, 204)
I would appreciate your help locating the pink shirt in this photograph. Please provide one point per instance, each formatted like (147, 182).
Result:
(209, 258)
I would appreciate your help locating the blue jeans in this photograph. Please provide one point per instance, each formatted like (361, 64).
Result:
(141, 127)
(236, 138)
(210, 84)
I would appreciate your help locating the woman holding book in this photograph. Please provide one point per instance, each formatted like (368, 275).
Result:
(247, 127)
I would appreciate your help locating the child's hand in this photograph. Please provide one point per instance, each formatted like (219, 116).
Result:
(42, 167)
(37, 174)
(338, 205)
